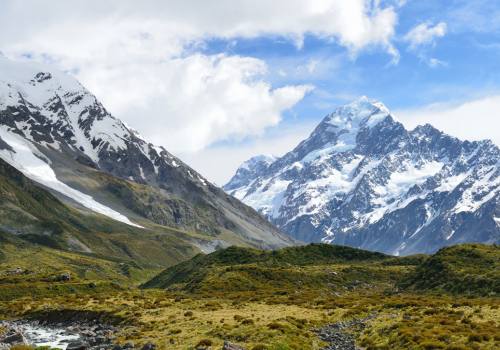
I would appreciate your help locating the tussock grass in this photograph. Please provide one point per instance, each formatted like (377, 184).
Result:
(263, 300)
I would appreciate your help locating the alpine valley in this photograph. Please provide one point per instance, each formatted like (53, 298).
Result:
(361, 179)
(108, 242)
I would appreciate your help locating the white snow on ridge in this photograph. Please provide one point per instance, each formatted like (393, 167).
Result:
(18, 79)
(269, 198)
(332, 183)
(28, 160)
(450, 183)
(350, 119)
(481, 192)
(267, 159)
(390, 196)
(400, 182)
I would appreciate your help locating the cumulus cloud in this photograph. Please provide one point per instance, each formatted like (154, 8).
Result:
(471, 120)
(142, 58)
(424, 34)
(201, 99)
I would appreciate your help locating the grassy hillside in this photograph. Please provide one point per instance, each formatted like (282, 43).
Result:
(265, 300)
(28, 269)
(462, 269)
(316, 266)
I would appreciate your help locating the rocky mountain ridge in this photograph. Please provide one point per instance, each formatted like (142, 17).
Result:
(362, 179)
(59, 135)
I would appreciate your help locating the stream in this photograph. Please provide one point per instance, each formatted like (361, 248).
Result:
(61, 335)
(39, 335)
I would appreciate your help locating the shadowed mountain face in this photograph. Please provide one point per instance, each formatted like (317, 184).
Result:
(363, 180)
(61, 137)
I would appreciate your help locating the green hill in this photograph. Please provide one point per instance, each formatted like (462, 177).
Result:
(463, 269)
(244, 269)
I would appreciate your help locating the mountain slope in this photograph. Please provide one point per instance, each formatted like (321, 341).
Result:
(60, 136)
(32, 214)
(363, 180)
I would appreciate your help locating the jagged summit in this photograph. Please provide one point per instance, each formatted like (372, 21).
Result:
(362, 179)
(263, 158)
(38, 97)
(250, 169)
(361, 112)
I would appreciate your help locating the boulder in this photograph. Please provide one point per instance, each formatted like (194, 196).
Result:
(98, 340)
(149, 346)
(229, 346)
(64, 277)
(16, 271)
(77, 345)
(13, 337)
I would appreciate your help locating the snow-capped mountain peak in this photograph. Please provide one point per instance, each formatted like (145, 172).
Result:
(43, 111)
(253, 162)
(363, 112)
(58, 134)
(52, 97)
(362, 179)
(249, 169)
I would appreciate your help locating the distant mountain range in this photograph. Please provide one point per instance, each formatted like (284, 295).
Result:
(361, 179)
(60, 137)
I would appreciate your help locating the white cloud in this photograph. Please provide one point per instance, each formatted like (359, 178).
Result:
(435, 62)
(200, 99)
(472, 120)
(140, 58)
(424, 34)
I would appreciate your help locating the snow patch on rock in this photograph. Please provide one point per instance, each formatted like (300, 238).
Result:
(26, 158)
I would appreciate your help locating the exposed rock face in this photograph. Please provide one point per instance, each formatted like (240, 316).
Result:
(57, 133)
(361, 179)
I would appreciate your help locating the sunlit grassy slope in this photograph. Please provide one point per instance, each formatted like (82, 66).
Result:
(271, 300)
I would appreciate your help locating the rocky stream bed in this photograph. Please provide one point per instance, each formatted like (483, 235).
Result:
(95, 335)
(65, 336)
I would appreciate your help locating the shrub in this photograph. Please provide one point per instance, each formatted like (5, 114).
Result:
(430, 345)
(260, 347)
(475, 337)
(276, 326)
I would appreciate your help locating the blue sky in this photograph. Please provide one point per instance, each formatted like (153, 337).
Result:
(469, 63)
(467, 68)
(217, 83)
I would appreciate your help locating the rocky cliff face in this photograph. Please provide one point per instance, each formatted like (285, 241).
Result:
(362, 179)
(59, 135)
